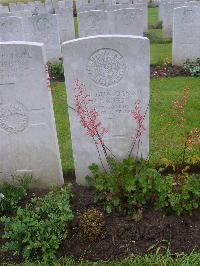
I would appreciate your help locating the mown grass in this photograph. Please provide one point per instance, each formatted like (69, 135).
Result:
(160, 52)
(62, 125)
(153, 16)
(192, 259)
(164, 142)
(6, 2)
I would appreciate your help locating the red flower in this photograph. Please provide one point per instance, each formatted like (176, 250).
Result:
(88, 115)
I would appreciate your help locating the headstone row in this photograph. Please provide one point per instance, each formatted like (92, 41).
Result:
(166, 14)
(111, 70)
(106, 7)
(123, 21)
(50, 29)
(186, 34)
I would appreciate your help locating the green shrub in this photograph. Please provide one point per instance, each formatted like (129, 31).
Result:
(192, 67)
(152, 4)
(185, 197)
(131, 184)
(38, 229)
(11, 194)
(56, 71)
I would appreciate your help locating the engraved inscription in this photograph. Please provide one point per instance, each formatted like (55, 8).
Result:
(188, 15)
(110, 104)
(106, 67)
(13, 117)
(13, 62)
(43, 24)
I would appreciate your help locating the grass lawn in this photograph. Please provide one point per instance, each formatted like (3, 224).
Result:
(164, 141)
(160, 52)
(153, 16)
(146, 260)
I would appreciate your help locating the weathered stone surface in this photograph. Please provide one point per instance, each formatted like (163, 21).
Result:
(186, 34)
(8, 14)
(66, 24)
(11, 29)
(123, 21)
(115, 73)
(4, 9)
(93, 22)
(44, 29)
(28, 143)
(127, 21)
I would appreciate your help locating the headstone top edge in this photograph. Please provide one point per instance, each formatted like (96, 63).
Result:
(133, 37)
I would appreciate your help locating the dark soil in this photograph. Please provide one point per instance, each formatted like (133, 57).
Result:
(123, 236)
(167, 71)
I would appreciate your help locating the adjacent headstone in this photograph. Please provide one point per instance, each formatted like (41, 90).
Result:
(20, 6)
(66, 24)
(4, 9)
(127, 21)
(113, 71)
(8, 14)
(55, 4)
(167, 16)
(39, 8)
(84, 8)
(94, 22)
(28, 145)
(11, 29)
(44, 28)
(186, 34)
(49, 7)
(12, 7)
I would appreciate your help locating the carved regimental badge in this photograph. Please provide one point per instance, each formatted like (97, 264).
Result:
(106, 67)
(13, 117)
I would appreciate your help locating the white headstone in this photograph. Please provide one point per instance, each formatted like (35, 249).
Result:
(186, 34)
(4, 9)
(66, 24)
(11, 29)
(167, 17)
(94, 22)
(84, 8)
(49, 7)
(8, 14)
(20, 6)
(44, 29)
(39, 8)
(28, 143)
(13, 7)
(114, 71)
(127, 21)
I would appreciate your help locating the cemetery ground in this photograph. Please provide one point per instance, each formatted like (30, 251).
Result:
(151, 237)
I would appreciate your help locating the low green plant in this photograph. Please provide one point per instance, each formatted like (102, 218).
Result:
(152, 4)
(38, 229)
(155, 38)
(12, 193)
(131, 184)
(126, 186)
(192, 67)
(158, 25)
(56, 71)
(185, 196)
